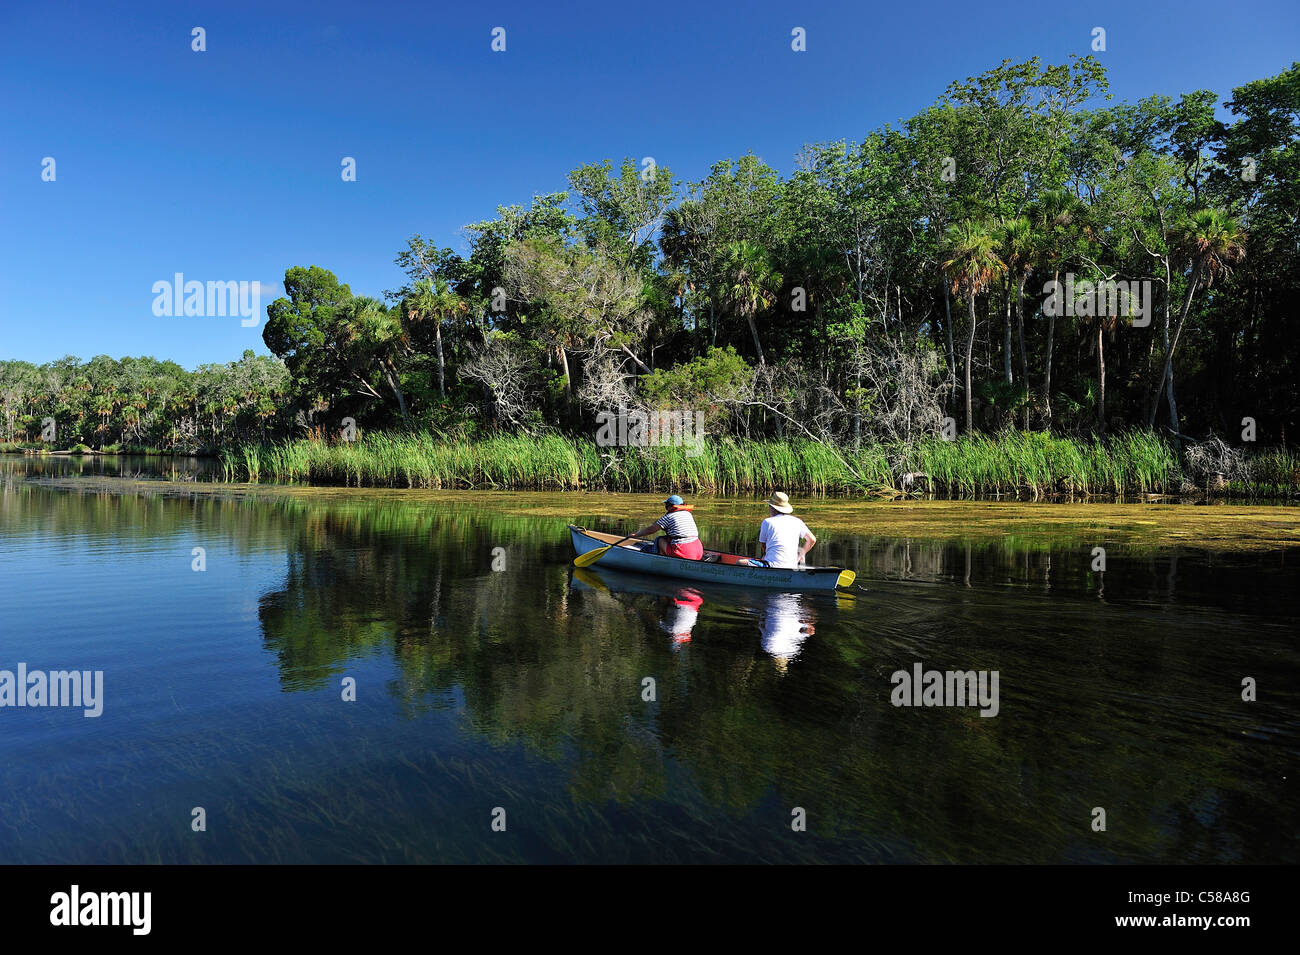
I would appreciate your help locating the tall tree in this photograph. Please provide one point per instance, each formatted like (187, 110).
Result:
(1056, 218)
(972, 264)
(432, 301)
(1018, 250)
(1212, 242)
(751, 284)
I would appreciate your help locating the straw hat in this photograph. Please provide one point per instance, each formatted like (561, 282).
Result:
(780, 501)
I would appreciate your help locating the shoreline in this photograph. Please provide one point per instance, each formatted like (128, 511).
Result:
(1222, 528)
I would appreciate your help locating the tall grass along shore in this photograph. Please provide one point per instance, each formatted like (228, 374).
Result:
(1013, 462)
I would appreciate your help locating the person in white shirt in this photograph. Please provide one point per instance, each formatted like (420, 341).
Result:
(782, 533)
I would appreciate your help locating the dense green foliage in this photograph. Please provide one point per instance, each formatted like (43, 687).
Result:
(884, 286)
(142, 403)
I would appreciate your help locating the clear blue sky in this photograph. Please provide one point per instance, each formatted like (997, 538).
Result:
(224, 165)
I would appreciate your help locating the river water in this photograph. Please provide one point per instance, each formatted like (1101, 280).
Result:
(502, 708)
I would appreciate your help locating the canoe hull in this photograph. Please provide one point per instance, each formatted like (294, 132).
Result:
(636, 561)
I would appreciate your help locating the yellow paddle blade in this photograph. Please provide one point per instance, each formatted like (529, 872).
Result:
(846, 578)
(589, 558)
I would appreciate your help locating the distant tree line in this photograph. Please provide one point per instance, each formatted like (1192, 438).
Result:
(143, 403)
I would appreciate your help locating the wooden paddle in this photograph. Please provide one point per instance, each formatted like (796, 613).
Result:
(589, 558)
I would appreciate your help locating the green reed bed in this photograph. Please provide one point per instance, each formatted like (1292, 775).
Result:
(1038, 463)
(1012, 462)
(1273, 473)
(555, 462)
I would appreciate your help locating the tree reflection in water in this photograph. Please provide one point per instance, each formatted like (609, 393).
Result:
(526, 679)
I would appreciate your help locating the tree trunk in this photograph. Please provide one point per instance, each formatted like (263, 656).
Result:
(1168, 371)
(1047, 364)
(753, 330)
(947, 325)
(970, 351)
(1101, 382)
(397, 391)
(437, 338)
(564, 365)
(639, 363)
(1020, 325)
(1169, 386)
(898, 315)
(857, 406)
(1006, 337)
(1173, 406)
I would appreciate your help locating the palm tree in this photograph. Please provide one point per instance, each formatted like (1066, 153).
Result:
(373, 338)
(133, 413)
(1054, 218)
(1019, 249)
(1104, 322)
(230, 412)
(972, 263)
(434, 299)
(131, 422)
(104, 405)
(1213, 242)
(266, 410)
(750, 284)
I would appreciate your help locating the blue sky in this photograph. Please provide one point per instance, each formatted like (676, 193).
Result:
(225, 165)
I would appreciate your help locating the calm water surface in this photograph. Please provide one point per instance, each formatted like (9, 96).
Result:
(522, 689)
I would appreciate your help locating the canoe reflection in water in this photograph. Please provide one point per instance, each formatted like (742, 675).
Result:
(785, 619)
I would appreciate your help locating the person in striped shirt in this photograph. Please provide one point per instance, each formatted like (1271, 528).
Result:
(680, 538)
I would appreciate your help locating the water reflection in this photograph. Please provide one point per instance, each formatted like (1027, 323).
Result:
(522, 686)
(683, 612)
(787, 621)
(671, 608)
(130, 466)
(784, 619)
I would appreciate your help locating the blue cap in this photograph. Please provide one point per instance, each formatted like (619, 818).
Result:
(675, 499)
